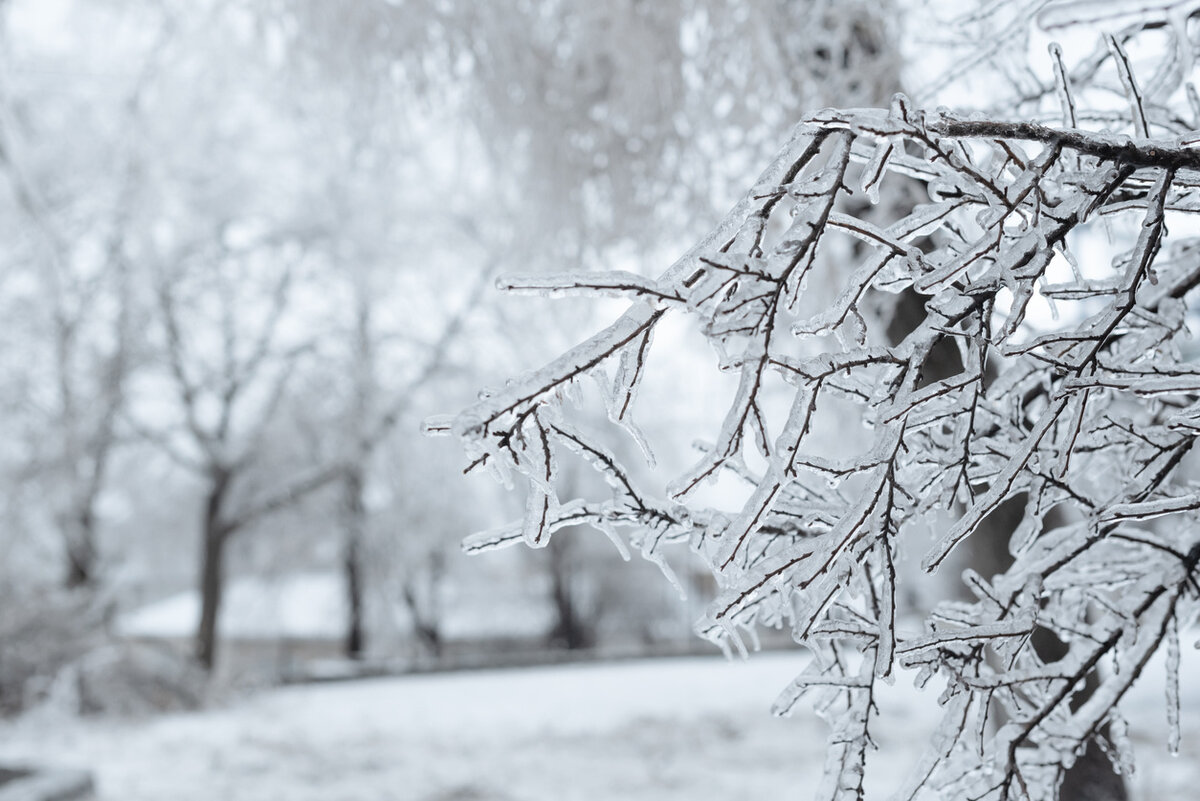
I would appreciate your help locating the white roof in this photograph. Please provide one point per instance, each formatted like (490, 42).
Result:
(298, 605)
(313, 606)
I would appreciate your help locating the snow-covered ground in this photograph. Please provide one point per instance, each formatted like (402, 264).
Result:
(694, 729)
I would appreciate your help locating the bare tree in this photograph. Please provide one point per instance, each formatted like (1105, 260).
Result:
(227, 404)
(372, 415)
(1091, 412)
(78, 250)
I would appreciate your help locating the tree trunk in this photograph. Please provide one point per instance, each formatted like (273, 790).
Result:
(353, 530)
(426, 613)
(430, 636)
(1091, 777)
(81, 551)
(570, 629)
(212, 575)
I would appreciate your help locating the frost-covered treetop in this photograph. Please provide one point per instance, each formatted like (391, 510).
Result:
(1084, 419)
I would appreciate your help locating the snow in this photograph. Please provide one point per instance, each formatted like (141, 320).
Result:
(694, 728)
(666, 730)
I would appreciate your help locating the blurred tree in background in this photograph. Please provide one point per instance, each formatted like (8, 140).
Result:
(229, 295)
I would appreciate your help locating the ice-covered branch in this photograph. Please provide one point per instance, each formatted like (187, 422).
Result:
(984, 401)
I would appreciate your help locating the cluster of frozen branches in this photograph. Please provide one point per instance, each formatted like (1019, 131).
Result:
(1084, 417)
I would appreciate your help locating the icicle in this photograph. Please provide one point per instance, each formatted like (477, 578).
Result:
(501, 470)
(571, 392)
(1024, 534)
(623, 393)
(1073, 262)
(656, 558)
(1194, 102)
(630, 365)
(755, 643)
(732, 636)
(853, 332)
(539, 507)
(979, 733)
(614, 537)
(758, 427)
(1122, 747)
(1173, 735)
(729, 441)
(639, 438)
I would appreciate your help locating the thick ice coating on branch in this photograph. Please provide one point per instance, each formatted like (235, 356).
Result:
(982, 403)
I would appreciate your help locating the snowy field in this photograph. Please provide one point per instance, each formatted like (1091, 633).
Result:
(680, 729)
